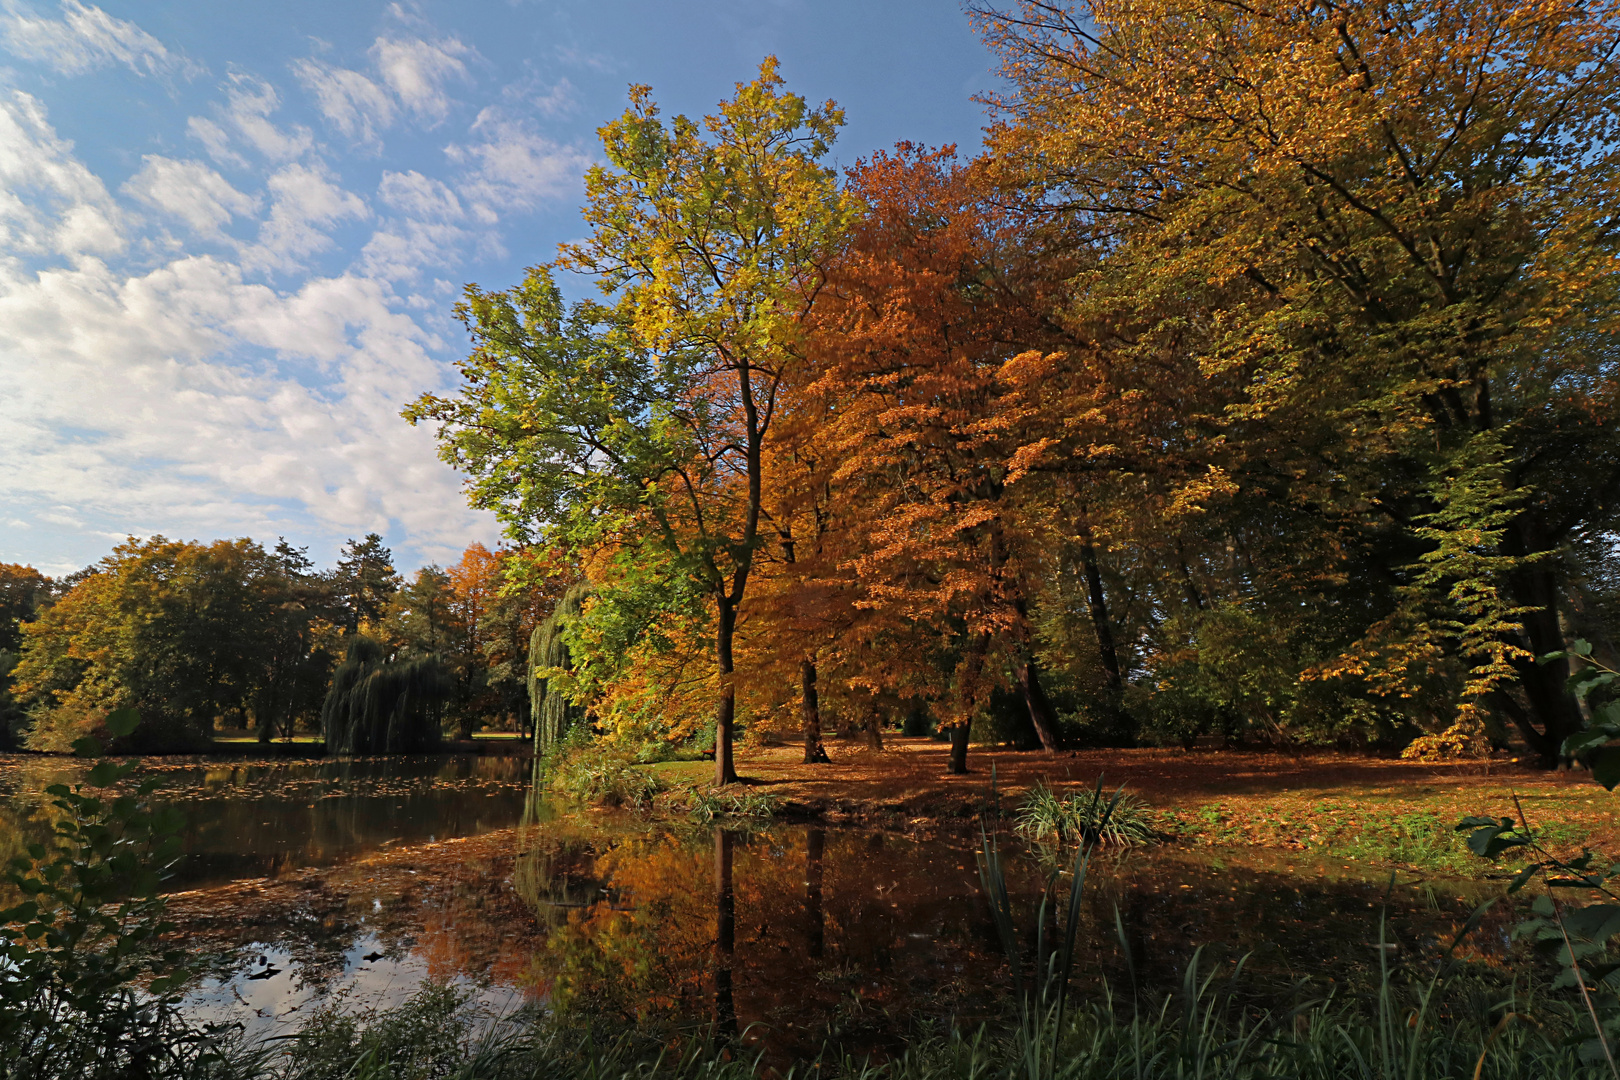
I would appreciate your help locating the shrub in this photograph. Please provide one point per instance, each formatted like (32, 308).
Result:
(86, 935)
(1121, 821)
(588, 771)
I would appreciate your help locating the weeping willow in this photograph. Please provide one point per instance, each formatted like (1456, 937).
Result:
(553, 714)
(377, 706)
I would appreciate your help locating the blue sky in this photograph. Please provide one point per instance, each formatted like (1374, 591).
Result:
(230, 234)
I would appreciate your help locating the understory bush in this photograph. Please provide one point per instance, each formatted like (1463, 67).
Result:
(1121, 821)
(586, 770)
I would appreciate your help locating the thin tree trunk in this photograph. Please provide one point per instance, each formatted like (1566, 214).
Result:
(725, 939)
(1098, 603)
(814, 752)
(874, 726)
(725, 771)
(959, 749)
(1041, 713)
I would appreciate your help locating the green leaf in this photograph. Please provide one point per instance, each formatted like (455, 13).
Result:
(121, 722)
(1606, 766)
(105, 774)
(1582, 741)
(87, 747)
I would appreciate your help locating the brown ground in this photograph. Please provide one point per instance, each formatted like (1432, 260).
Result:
(1217, 796)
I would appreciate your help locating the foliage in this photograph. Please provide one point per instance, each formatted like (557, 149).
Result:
(582, 768)
(647, 419)
(86, 986)
(187, 633)
(551, 712)
(1321, 295)
(384, 704)
(1087, 819)
(705, 805)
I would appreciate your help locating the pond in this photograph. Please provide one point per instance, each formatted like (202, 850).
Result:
(261, 818)
(360, 880)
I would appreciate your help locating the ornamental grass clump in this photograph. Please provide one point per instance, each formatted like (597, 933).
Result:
(1120, 821)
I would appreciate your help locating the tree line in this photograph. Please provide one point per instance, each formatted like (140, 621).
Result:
(199, 637)
(1255, 382)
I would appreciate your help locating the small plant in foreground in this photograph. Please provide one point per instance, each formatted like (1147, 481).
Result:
(704, 805)
(1122, 821)
(85, 989)
(584, 771)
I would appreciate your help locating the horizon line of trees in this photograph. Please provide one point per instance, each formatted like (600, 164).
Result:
(231, 635)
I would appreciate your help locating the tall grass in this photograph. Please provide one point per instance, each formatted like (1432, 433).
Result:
(1121, 820)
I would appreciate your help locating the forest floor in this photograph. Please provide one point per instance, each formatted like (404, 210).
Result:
(1347, 804)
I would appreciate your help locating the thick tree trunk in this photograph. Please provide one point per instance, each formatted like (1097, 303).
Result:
(725, 771)
(815, 922)
(725, 939)
(1554, 714)
(1097, 601)
(1041, 713)
(814, 752)
(959, 749)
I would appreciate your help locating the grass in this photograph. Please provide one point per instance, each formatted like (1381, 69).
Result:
(705, 805)
(1119, 821)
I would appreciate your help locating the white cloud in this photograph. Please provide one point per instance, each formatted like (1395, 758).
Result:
(419, 196)
(416, 71)
(245, 118)
(305, 203)
(86, 38)
(410, 76)
(190, 191)
(350, 102)
(514, 167)
(49, 202)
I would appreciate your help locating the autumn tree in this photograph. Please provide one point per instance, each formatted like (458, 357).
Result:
(642, 421)
(912, 334)
(1397, 223)
(186, 633)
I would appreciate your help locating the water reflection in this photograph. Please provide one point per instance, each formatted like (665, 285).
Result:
(264, 818)
(799, 934)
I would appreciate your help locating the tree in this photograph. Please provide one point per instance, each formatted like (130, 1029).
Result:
(364, 581)
(301, 627)
(1396, 226)
(650, 417)
(382, 704)
(913, 333)
(23, 590)
(182, 632)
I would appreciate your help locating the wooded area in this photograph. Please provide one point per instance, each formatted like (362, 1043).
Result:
(1255, 383)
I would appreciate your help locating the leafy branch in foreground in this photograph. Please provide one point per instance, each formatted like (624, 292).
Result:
(1576, 935)
(86, 988)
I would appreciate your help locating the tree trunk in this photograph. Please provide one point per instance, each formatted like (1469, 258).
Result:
(1554, 714)
(725, 771)
(959, 748)
(1041, 713)
(814, 752)
(725, 938)
(874, 726)
(815, 923)
(1098, 603)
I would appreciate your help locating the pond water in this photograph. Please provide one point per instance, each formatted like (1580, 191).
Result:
(262, 818)
(797, 933)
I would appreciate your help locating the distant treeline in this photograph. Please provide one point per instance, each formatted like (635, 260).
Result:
(199, 637)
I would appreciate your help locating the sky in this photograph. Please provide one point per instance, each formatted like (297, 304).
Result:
(231, 234)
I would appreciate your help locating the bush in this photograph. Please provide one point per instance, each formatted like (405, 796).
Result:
(1121, 820)
(86, 935)
(580, 767)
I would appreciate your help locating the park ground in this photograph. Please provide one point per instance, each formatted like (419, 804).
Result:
(1362, 807)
